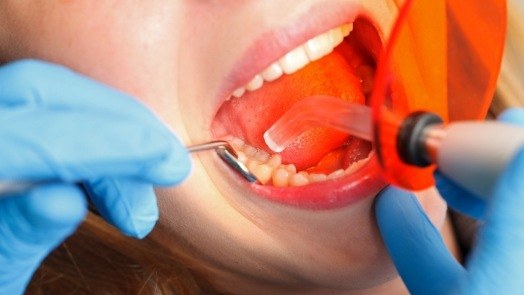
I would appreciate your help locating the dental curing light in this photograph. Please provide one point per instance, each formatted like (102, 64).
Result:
(443, 58)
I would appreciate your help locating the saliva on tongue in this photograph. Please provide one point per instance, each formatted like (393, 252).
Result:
(318, 150)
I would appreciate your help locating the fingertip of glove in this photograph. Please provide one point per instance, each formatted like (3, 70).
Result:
(391, 196)
(140, 221)
(513, 115)
(128, 204)
(174, 170)
(395, 207)
(518, 164)
(141, 217)
(447, 188)
(439, 178)
(442, 183)
(141, 227)
(513, 180)
(54, 206)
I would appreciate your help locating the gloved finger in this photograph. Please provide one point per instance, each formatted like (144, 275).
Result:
(514, 115)
(414, 244)
(128, 204)
(496, 262)
(33, 224)
(458, 198)
(84, 129)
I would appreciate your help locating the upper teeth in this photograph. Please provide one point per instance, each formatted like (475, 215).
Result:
(313, 49)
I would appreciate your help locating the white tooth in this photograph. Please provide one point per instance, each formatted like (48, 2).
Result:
(299, 57)
(275, 161)
(237, 143)
(262, 156)
(291, 168)
(336, 37)
(280, 177)
(317, 177)
(336, 174)
(263, 173)
(371, 154)
(356, 166)
(273, 72)
(363, 161)
(252, 164)
(318, 47)
(239, 92)
(346, 29)
(298, 180)
(294, 60)
(241, 157)
(250, 151)
(255, 83)
(352, 168)
(366, 73)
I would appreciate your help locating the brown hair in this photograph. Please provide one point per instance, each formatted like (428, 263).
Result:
(98, 259)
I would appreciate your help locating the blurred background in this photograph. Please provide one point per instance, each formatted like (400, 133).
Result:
(509, 93)
(510, 89)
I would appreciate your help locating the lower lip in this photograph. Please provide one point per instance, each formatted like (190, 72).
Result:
(331, 194)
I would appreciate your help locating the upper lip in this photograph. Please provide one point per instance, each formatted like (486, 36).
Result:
(275, 43)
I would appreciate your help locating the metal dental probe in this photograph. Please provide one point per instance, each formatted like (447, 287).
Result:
(228, 154)
(223, 149)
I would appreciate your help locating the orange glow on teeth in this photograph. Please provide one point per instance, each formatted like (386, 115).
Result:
(270, 170)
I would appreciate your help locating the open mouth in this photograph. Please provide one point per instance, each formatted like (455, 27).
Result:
(322, 168)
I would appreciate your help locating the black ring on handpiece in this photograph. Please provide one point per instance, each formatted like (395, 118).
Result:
(410, 139)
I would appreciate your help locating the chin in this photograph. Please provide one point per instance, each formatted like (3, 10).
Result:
(309, 224)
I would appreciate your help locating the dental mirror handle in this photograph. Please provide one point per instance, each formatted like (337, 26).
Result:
(473, 154)
(223, 148)
(11, 187)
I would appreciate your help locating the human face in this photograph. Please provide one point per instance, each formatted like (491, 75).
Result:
(183, 59)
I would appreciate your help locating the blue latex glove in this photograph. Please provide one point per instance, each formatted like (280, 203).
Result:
(61, 126)
(421, 258)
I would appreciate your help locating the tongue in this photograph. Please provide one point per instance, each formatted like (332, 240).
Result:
(250, 116)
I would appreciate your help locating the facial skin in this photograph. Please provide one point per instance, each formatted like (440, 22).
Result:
(178, 58)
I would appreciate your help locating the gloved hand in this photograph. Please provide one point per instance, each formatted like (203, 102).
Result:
(60, 126)
(421, 258)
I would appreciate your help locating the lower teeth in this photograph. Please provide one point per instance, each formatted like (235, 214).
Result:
(270, 171)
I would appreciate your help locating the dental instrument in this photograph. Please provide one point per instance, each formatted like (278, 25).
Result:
(335, 113)
(473, 154)
(439, 65)
(228, 154)
(223, 149)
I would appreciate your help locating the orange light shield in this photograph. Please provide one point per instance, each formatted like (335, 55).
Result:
(443, 57)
